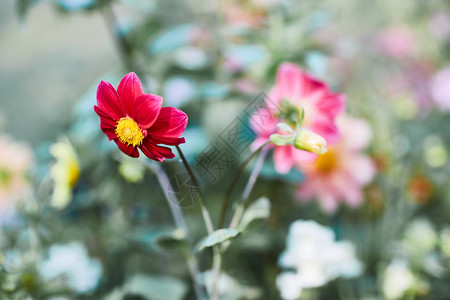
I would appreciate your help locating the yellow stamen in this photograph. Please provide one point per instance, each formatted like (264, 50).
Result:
(326, 162)
(128, 132)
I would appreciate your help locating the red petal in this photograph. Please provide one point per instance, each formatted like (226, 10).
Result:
(167, 140)
(156, 152)
(129, 89)
(108, 100)
(146, 109)
(107, 124)
(128, 150)
(171, 122)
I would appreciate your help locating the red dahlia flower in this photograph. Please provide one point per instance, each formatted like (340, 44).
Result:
(134, 119)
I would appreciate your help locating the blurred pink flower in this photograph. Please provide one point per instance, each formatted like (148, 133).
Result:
(440, 88)
(439, 26)
(320, 104)
(413, 80)
(15, 160)
(339, 174)
(396, 42)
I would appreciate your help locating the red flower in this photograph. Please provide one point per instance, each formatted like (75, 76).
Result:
(134, 119)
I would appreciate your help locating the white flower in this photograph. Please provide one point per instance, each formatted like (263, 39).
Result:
(72, 262)
(420, 236)
(445, 241)
(288, 284)
(315, 258)
(398, 279)
(229, 288)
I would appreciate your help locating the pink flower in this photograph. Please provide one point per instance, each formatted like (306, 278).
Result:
(15, 160)
(440, 88)
(320, 104)
(339, 174)
(396, 42)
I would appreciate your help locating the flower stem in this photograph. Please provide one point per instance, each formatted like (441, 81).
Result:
(233, 183)
(248, 189)
(122, 44)
(179, 221)
(206, 217)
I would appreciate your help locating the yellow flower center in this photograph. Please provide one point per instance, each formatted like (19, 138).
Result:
(128, 132)
(326, 162)
(73, 170)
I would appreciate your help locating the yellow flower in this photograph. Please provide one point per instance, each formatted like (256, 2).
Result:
(64, 172)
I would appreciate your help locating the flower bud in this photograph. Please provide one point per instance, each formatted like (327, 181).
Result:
(310, 141)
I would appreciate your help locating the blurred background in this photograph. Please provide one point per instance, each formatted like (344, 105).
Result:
(80, 220)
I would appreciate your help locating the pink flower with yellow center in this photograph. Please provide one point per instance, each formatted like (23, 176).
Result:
(16, 159)
(339, 175)
(299, 89)
(136, 120)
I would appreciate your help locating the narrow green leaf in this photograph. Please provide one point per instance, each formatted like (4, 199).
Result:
(258, 210)
(217, 237)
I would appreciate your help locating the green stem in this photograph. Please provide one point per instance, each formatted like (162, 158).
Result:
(179, 221)
(206, 217)
(217, 265)
(233, 183)
(248, 189)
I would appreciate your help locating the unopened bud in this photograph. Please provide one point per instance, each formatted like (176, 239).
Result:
(310, 141)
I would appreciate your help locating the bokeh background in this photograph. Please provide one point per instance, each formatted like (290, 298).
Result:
(80, 220)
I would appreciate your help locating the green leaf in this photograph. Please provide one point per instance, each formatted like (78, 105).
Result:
(217, 237)
(258, 210)
(156, 287)
(172, 240)
(282, 140)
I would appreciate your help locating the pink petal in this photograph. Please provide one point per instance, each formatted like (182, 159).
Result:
(328, 201)
(331, 105)
(263, 122)
(146, 109)
(312, 86)
(108, 101)
(258, 142)
(361, 168)
(171, 122)
(129, 89)
(353, 196)
(128, 150)
(358, 133)
(290, 80)
(283, 159)
(325, 128)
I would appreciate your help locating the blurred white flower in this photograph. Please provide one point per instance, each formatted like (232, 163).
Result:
(288, 284)
(445, 241)
(72, 262)
(420, 236)
(315, 258)
(229, 287)
(398, 279)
